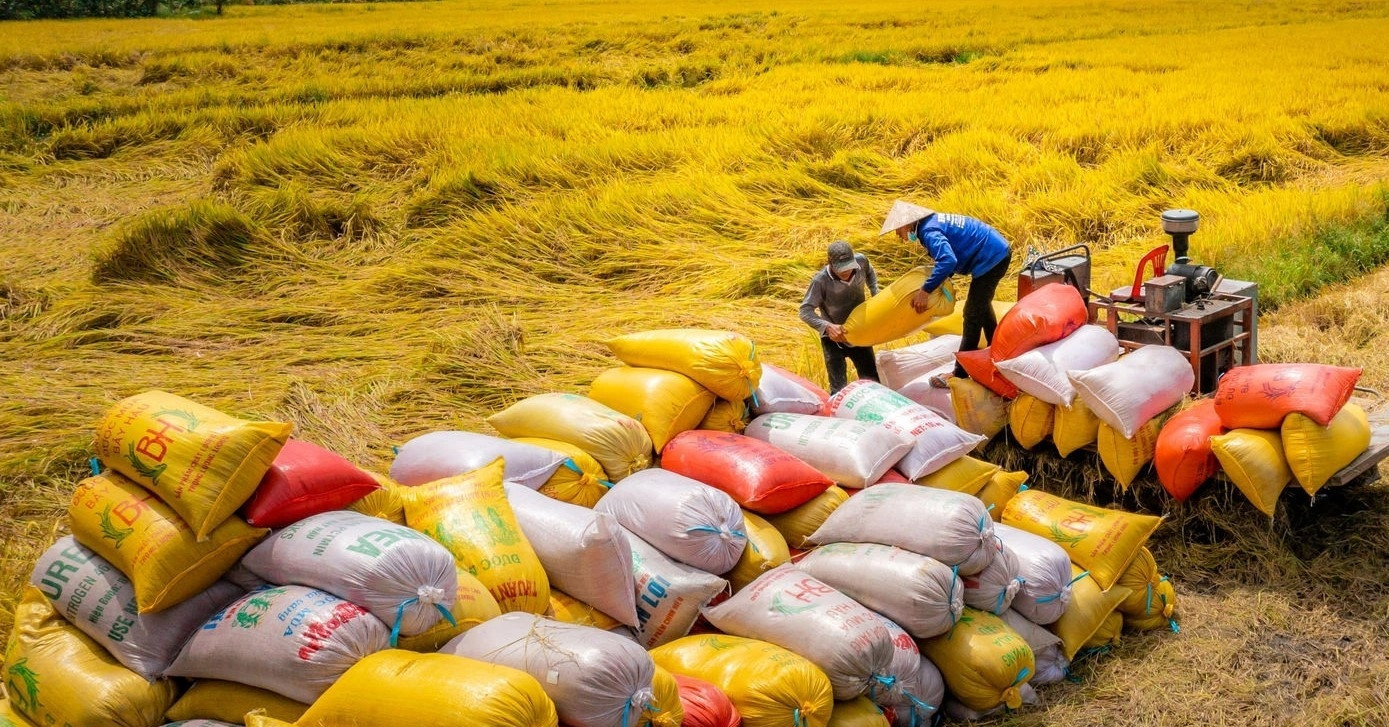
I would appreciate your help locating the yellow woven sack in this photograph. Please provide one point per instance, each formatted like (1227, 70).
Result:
(984, 661)
(858, 712)
(720, 361)
(799, 523)
(889, 315)
(473, 605)
(766, 549)
(1076, 427)
(966, 474)
(566, 608)
(230, 702)
(8, 717)
(617, 441)
(726, 416)
(394, 687)
(255, 719)
(1103, 541)
(1001, 488)
(470, 515)
(1125, 458)
(128, 526)
(202, 463)
(1315, 453)
(1031, 420)
(955, 322)
(56, 675)
(977, 409)
(1086, 613)
(1153, 600)
(671, 712)
(384, 503)
(770, 686)
(1108, 633)
(1253, 459)
(581, 481)
(666, 403)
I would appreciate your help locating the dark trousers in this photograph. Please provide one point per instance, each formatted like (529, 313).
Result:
(979, 309)
(836, 353)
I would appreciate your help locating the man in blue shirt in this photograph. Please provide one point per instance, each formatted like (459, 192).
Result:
(957, 244)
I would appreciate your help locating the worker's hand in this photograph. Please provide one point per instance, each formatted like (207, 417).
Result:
(835, 333)
(921, 300)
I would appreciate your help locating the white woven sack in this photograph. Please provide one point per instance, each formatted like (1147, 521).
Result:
(952, 527)
(1051, 663)
(921, 685)
(668, 594)
(437, 455)
(402, 576)
(1046, 571)
(684, 518)
(585, 553)
(777, 392)
(200, 723)
(852, 453)
(1041, 372)
(291, 640)
(596, 678)
(994, 588)
(936, 399)
(956, 710)
(99, 600)
(935, 441)
(898, 366)
(922, 594)
(1127, 393)
(788, 607)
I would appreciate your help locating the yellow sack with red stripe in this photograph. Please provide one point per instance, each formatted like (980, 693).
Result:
(1100, 540)
(770, 686)
(230, 702)
(579, 481)
(720, 361)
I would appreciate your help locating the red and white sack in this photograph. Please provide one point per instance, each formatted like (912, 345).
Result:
(402, 576)
(1041, 372)
(291, 640)
(921, 688)
(437, 455)
(922, 594)
(994, 588)
(99, 600)
(1139, 386)
(782, 391)
(952, 527)
(789, 608)
(305, 480)
(936, 442)
(596, 678)
(1045, 568)
(685, 519)
(668, 594)
(586, 554)
(934, 398)
(1051, 663)
(898, 366)
(852, 453)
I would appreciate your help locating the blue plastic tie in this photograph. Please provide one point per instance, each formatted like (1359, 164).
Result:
(915, 705)
(1023, 487)
(400, 616)
(950, 599)
(395, 450)
(712, 529)
(990, 508)
(796, 719)
(95, 464)
(1022, 676)
(1148, 601)
(569, 465)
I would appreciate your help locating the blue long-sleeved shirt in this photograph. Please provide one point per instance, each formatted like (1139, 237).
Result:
(959, 244)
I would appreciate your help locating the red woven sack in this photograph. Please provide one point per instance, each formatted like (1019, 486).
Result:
(980, 367)
(757, 475)
(1259, 396)
(1183, 459)
(305, 480)
(1047, 314)
(705, 704)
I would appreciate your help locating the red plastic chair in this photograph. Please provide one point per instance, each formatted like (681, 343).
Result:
(1157, 259)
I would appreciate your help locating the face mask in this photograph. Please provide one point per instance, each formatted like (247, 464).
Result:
(912, 237)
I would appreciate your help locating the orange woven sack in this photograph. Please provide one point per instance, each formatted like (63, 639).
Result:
(1047, 314)
(1259, 396)
(1183, 459)
(980, 367)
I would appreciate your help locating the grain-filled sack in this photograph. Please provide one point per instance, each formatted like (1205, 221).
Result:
(1041, 372)
(1139, 386)
(951, 527)
(936, 442)
(994, 588)
(10, 718)
(953, 324)
(136, 532)
(305, 480)
(977, 409)
(585, 553)
(852, 453)
(1182, 456)
(1031, 420)
(229, 702)
(99, 600)
(1125, 458)
(956, 710)
(384, 502)
(471, 517)
(56, 675)
(437, 455)
(720, 361)
(580, 480)
(397, 573)
(900, 366)
(202, 463)
(858, 712)
(979, 366)
(921, 391)
(1049, 313)
(766, 549)
(769, 685)
(1316, 452)
(566, 608)
(1253, 459)
(1152, 604)
(1087, 611)
(726, 416)
(666, 403)
(1101, 540)
(799, 523)
(669, 710)
(922, 686)
(783, 391)
(757, 475)
(1001, 488)
(394, 688)
(925, 596)
(1108, 634)
(669, 594)
(1045, 569)
(687, 520)
(889, 315)
(983, 660)
(1261, 395)
(619, 442)
(705, 705)
(1075, 427)
(1052, 664)
(472, 605)
(293, 640)
(966, 474)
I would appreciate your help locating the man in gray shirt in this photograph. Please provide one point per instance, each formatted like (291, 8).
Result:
(834, 293)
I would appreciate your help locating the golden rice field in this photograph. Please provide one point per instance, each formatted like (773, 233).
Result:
(381, 219)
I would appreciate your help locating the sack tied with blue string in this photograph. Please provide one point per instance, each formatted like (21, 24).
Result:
(920, 593)
(952, 527)
(685, 519)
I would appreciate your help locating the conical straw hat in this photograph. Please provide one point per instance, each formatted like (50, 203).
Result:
(903, 213)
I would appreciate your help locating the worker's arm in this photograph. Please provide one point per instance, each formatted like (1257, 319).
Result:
(944, 255)
(870, 275)
(814, 295)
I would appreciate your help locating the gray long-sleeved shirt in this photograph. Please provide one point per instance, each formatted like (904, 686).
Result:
(831, 300)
